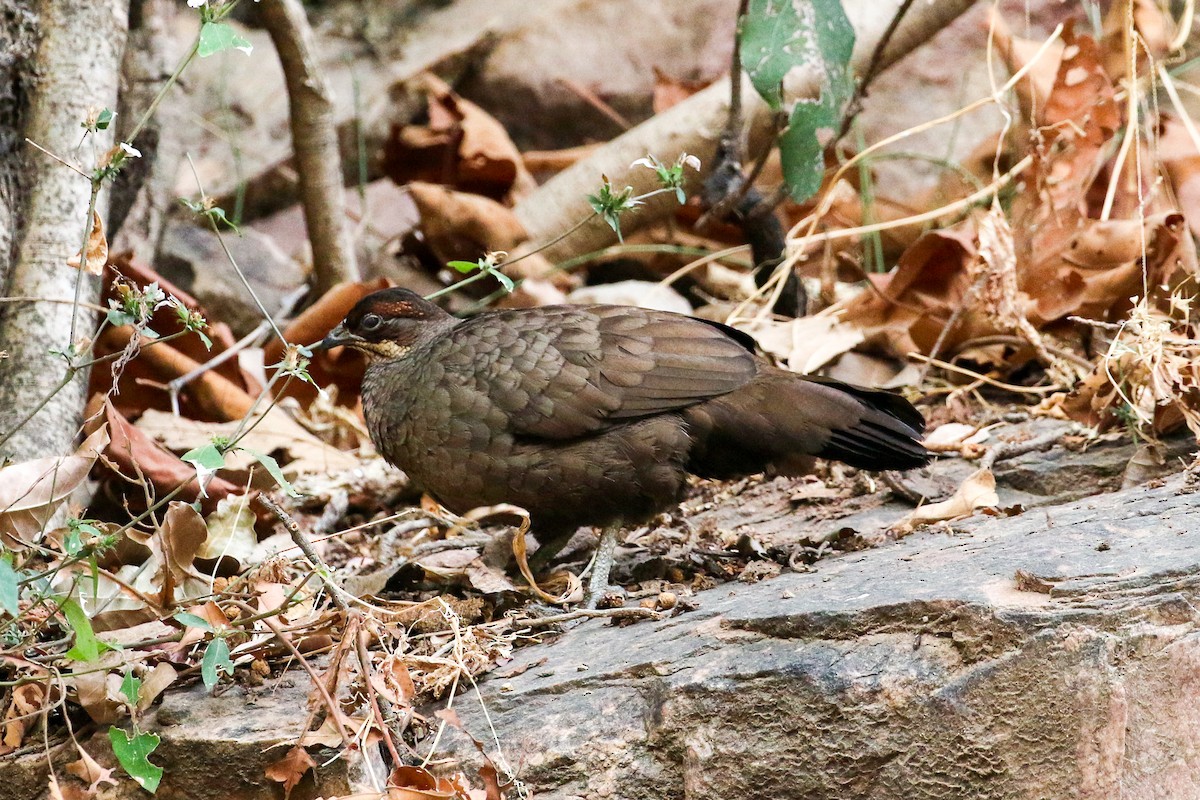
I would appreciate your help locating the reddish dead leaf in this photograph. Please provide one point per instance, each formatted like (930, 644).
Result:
(1017, 52)
(1101, 268)
(132, 396)
(911, 306)
(291, 768)
(134, 453)
(460, 145)
(97, 249)
(1075, 123)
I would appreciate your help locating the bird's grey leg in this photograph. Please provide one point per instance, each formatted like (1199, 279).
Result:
(602, 565)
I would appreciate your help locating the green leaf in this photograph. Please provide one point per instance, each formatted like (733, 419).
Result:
(87, 646)
(131, 687)
(207, 460)
(10, 586)
(465, 266)
(216, 657)
(192, 621)
(217, 37)
(218, 215)
(779, 36)
(134, 754)
(272, 466)
(104, 119)
(505, 281)
(118, 318)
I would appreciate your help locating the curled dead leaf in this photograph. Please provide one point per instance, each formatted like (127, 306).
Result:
(417, 783)
(88, 770)
(97, 249)
(976, 492)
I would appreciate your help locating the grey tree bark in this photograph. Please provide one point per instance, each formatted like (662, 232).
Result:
(75, 67)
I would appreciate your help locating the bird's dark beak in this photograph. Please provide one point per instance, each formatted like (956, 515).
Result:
(337, 337)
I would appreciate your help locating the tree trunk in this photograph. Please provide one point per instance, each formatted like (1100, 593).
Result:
(75, 67)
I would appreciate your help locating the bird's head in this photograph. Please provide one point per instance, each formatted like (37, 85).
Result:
(387, 324)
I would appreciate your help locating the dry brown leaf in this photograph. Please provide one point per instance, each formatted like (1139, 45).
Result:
(97, 249)
(976, 492)
(32, 490)
(23, 712)
(1075, 124)
(291, 768)
(173, 548)
(91, 687)
(1017, 52)
(955, 433)
(417, 783)
(1153, 30)
(88, 770)
(909, 308)
(231, 538)
(393, 681)
(806, 343)
(1178, 153)
(460, 145)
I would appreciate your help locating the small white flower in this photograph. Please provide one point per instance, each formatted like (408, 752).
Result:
(130, 150)
(196, 3)
(689, 161)
(646, 162)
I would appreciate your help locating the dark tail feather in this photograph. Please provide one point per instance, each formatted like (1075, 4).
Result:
(878, 442)
(781, 418)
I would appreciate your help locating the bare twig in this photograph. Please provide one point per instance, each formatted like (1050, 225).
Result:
(301, 541)
(1013, 449)
(586, 613)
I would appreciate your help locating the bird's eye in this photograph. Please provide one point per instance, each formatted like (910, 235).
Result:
(370, 322)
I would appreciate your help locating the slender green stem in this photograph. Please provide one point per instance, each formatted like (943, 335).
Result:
(83, 255)
(148, 114)
(233, 261)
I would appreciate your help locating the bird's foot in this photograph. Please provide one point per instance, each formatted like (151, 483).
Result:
(598, 586)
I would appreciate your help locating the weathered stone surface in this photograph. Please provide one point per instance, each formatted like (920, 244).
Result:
(1047, 655)
(192, 258)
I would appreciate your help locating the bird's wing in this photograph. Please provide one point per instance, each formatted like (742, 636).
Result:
(568, 371)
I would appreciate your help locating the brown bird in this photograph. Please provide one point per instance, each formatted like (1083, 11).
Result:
(595, 415)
